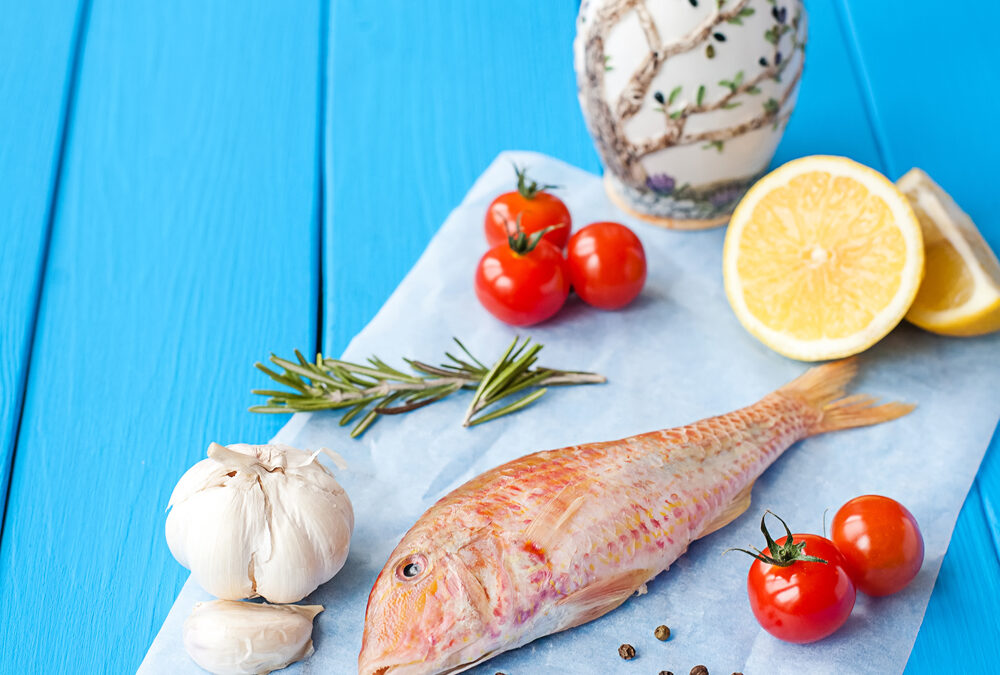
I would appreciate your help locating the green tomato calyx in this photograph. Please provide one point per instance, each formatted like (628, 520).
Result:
(782, 555)
(521, 243)
(526, 187)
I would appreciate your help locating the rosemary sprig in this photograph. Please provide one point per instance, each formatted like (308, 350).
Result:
(376, 388)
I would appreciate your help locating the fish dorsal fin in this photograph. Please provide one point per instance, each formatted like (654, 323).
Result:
(600, 597)
(547, 526)
(735, 509)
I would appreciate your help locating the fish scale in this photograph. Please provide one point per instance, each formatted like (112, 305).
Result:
(560, 537)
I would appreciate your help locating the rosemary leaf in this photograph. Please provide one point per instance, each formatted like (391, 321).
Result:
(432, 370)
(287, 380)
(374, 372)
(314, 374)
(268, 409)
(485, 382)
(469, 354)
(509, 374)
(273, 393)
(507, 409)
(363, 425)
(352, 413)
(533, 380)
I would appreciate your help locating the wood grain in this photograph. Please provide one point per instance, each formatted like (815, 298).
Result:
(932, 104)
(183, 249)
(37, 44)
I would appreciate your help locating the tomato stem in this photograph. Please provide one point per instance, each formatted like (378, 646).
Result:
(521, 243)
(780, 555)
(529, 188)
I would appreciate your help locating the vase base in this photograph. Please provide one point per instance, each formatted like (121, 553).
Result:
(661, 221)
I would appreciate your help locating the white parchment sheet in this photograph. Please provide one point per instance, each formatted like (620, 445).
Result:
(675, 355)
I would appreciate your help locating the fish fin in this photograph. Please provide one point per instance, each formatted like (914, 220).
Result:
(602, 596)
(822, 389)
(546, 527)
(735, 509)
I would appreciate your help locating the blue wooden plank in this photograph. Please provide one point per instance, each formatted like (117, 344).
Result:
(989, 490)
(930, 108)
(422, 97)
(183, 249)
(37, 44)
(957, 635)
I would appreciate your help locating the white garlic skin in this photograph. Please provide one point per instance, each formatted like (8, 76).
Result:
(259, 521)
(228, 637)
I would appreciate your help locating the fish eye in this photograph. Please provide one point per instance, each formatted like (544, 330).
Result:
(411, 567)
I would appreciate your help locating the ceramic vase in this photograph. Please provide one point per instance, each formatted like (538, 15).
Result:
(686, 100)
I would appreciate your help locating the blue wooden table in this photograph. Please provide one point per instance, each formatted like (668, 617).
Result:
(188, 186)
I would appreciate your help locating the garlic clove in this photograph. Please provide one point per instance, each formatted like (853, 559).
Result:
(205, 474)
(314, 529)
(228, 637)
(218, 533)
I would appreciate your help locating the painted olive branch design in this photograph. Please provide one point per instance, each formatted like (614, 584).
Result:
(622, 156)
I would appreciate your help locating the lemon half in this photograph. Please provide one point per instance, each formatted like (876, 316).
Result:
(960, 293)
(822, 258)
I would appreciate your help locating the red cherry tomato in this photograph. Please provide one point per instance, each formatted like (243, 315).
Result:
(524, 283)
(881, 543)
(607, 265)
(802, 600)
(536, 209)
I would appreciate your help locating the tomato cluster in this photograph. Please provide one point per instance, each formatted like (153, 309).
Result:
(524, 278)
(803, 587)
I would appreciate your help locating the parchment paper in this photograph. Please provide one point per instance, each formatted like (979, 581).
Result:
(675, 355)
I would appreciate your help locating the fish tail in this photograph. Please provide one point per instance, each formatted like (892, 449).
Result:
(822, 389)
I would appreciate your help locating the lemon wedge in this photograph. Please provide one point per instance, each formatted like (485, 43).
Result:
(823, 257)
(960, 293)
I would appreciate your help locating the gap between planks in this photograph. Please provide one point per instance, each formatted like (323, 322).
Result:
(63, 130)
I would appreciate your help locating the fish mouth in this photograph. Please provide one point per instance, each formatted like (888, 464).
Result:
(414, 667)
(384, 670)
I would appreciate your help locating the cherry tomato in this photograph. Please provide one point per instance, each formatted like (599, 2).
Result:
(534, 206)
(523, 282)
(607, 265)
(802, 599)
(881, 543)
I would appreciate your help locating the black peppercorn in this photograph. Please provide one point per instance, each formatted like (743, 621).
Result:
(662, 633)
(626, 651)
(719, 36)
(694, 3)
(762, 61)
(659, 97)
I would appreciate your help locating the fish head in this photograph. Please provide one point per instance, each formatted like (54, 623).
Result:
(431, 612)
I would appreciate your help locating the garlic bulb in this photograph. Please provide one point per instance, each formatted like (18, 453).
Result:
(259, 520)
(228, 637)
